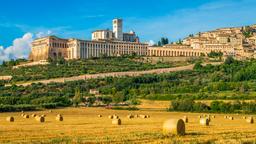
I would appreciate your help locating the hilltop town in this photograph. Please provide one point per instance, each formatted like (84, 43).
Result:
(239, 42)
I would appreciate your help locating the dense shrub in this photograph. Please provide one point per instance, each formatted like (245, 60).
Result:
(215, 106)
(12, 108)
(126, 108)
(188, 106)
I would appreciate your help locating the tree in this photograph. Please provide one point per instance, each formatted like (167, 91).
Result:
(159, 43)
(61, 60)
(215, 106)
(198, 66)
(77, 98)
(247, 32)
(4, 64)
(213, 54)
(118, 97)
(229, 60)
(106, 100)
(163, 41)
(179, 42)
(90, 100)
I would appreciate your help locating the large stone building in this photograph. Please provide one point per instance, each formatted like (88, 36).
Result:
(104, 42)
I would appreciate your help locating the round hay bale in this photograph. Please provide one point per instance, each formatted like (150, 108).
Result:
(115, 117)
(59, 115)
(43, 115)
(213, 116)
(204, 121)
(185, 119)
(130, 116)
(136, 116)
(244, 117)
(225, 117)
(147, 116)
(33, 115)
(231, 118)
(99, 116)
(174, 127)
(250, 120)
(26, 116)
(59, 118)
(116, 121)
(37, 116)
(40, 119)
(50, 111)
(10, 119)
(110, 117)
(200, 116)
(143, 116)
(209, 119)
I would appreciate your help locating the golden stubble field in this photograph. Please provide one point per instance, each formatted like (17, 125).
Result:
(82, 125)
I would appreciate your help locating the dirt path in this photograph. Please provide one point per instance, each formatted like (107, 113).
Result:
(111, 74)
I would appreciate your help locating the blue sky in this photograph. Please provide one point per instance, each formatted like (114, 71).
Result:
(151, 19)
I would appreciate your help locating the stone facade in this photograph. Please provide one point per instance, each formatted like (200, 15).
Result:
(54, 47)
(175, 51)
(103, 35)
(103, 43)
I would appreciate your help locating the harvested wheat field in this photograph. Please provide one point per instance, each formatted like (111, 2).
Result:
(82, 125)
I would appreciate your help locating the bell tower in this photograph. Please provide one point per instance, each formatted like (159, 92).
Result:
(118, 29)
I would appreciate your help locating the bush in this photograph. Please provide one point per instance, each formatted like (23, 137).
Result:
(49, 105)
(215, 106)
(126, 108)
(182, 105)
(12, 108)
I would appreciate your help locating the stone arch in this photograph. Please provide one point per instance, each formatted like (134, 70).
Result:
(54, 54)
(59, 54)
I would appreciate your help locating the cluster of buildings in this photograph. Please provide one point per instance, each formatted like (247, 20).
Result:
(238, 42)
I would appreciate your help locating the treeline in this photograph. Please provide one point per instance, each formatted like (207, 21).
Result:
(214, 107)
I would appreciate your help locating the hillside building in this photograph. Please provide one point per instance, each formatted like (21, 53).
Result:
(103, 43)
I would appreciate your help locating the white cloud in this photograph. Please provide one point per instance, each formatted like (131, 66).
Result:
(43, 34)
(151, 43)
(20, 48)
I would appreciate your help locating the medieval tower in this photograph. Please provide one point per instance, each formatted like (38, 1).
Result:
(118, 29)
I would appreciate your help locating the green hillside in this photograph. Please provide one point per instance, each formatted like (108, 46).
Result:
(62, 68)
(233, 80)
